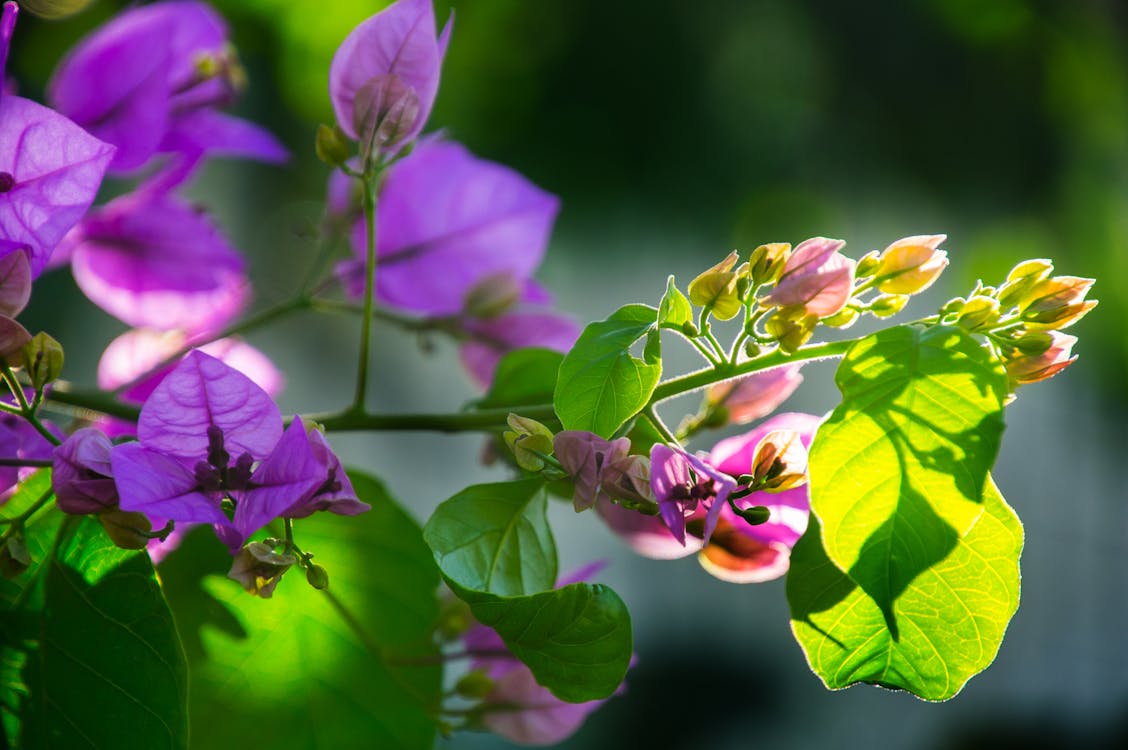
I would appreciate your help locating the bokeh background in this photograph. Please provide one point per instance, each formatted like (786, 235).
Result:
(673, 132)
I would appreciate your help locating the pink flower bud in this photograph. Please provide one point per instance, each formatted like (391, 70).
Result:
(1032, 368)
(83, 479)
(816, 278)
(756, 395)
(911, 265)
(1056, 302)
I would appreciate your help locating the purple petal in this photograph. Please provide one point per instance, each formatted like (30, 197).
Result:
(399, 40)
(723, 485)
(154, 261)
(15, 278)
(669, 469)
(157, 484)
(119, 82)
(448, 220)
(201, 392)
(7, 28)
(83, 477)
(789, 510)
(57, 168)
(530, 714)
(342, 500)
(286, 478)
(204, 131)
(138, 351)
(649, 536)
(494, 337)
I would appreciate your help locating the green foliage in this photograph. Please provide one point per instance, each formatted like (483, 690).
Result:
(91, 654)
(950, 619)
(908, 574)
(601, 384)
(897, 471)
(674, 311)
(325, 668)
(577, 639)
(523, 377)
(494, 547)
(495, 538)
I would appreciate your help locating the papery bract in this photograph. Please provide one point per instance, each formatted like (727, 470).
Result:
(757, 395)
(148, 82)
(491, 338)
(448, 220)
(684, 483)
(1033, 368)
(82, 477)
(50, 171)
(743, 553)
(911, 265)
(600, 469)
(207, 433)
(399, 41)
(137, 352)
(154, 261)
(15, 278)
(816, 278)
(647, 535)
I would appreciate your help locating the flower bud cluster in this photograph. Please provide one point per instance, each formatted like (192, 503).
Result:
(1024, 317)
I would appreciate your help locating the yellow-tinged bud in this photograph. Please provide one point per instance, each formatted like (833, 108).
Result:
(332, 145)
(42, 360)
(1034, 342)
(717, 288)
(791, 327)
(888, 305)
(844, 318)
(474, 685)
(911, 265)
(1021, 278)
(527, 439)
(128, 530)
(779, 462)
(259, 568)
(1063, 317)
(979, 313)
(492, 296)
(1032, 368)
(953, 306)
(767, 262)
(1057, 302)
(868, 264)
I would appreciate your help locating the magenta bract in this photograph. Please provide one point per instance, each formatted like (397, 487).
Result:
(683, 484)
(149, 81)
(398, 41)
(447, 221)
(82, 477)
(152, 260)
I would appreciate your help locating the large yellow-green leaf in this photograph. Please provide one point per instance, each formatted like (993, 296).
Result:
(950, 619)
(897, 470)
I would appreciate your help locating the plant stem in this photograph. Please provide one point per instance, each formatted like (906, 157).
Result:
(369, 199)
(269, 315)
(473, 421)
(25, 462)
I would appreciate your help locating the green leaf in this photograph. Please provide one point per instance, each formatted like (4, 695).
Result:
(674, 311)
(576, 640)
(601, 384)
(495, 538)
(303, 676)
(523, 377)
(897, 470)
(107, 670)
(494, 546)
(950, 619)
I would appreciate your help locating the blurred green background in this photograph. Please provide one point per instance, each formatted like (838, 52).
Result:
(674, 131)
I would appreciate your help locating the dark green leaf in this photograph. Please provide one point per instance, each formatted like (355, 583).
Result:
(109, 671)
(950, 619)
(576, 640)
(523, 377)
(601, 384)
(495, 538)
(897, 471)
(495, 548)
(328, 669)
